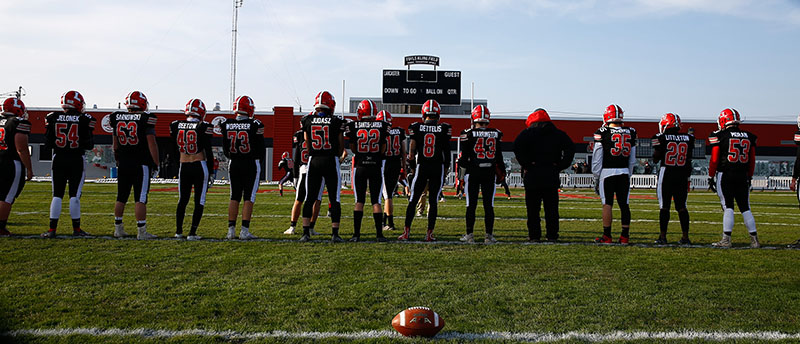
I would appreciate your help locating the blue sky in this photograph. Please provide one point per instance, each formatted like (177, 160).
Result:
(692, 57)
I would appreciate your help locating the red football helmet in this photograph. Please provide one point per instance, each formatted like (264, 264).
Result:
(480, 114)
(196, 108)
(325, 100)
(285, 155)
(14, 107)
(136, 101)
(384, 116)
(538, 115)
(366, 109)
(669, 120)
(613, 114)
(72, 100)
(244, 105)
(431, 108)
(728, 117)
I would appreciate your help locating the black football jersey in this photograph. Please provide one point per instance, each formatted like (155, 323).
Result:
(674, 150)
(480, 147)
(617, 145)
(734, 153)
(796, 173)
(243, 138)
(69, 132)
(366, 138)
(299, 147)
(9, 127)
(130, 132)
(432, 141)
(394, 143)
(192, 137)
(323, 134)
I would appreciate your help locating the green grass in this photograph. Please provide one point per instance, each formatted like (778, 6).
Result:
(268, 286)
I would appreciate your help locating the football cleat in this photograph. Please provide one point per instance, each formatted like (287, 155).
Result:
(244, 234)
(605, 239)
(382, 239)
(4, 232)
(335, 238)
(289, 231)
(305, 238)
(489, 239)
(143, 234)
(468, 238)
(754, 242)
(429, 236)
(419, 213)
(119, 231)
(179, 236)
(725, 242)
(193, 237)
(795, 244)
(660, 241)
(49, 234)
(388, 228)
(231, 233)
(685, 241)
(355, 239)
(80, 233)
(624, 240)
(405, 235)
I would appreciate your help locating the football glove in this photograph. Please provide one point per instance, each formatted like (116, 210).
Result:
(154, 172)
(712, 184)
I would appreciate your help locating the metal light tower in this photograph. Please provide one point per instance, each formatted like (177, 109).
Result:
(234, 31)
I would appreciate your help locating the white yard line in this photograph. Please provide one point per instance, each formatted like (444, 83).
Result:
(507, 336)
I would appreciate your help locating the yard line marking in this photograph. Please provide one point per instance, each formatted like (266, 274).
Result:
(506, 336)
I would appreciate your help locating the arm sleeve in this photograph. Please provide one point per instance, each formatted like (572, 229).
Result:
(689, 157)
(48, 132)
(446, 146)
(658, 149)
(597, 159)
(713, 161)
(567, 152)
(632, 160)
(796, 173)
(751, 165)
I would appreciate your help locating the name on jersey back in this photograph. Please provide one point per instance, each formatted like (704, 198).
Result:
(368, 124)
(128, 116)
(237, 126)
(485, 133)
(738, 134)
(679, 138)
(430, 128)
(321, 120)
(187, 125)
(68, 118)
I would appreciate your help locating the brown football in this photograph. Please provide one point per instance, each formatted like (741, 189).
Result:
(418, 321)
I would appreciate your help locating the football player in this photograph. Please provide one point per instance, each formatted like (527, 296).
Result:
(674, 150)
(15, 159)
(613, 159)
(730, 170)
(394, 166)
(193, 137)
(367, 137)
(243, 144)
(796, 173)
(324, 134)
(287, 165)
(301, 171)
(429, 156)
(483, 158)
(69, 134)
(136, 152)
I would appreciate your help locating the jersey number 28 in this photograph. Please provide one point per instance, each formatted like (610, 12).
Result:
(676, 154)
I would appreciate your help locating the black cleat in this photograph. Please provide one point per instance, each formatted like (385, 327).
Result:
(660, 241)
(80, 233)
(685, 242)
(336, 238)
(49, 234)
(305, 238)
(382, 239)
(355, 239)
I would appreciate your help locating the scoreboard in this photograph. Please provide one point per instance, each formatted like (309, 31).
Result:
(414, 87)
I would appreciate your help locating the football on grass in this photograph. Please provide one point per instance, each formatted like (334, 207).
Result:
(418, 322)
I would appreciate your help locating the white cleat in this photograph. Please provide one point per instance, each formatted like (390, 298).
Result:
(725, 242)
(245, 235)
(143, 235)
(289, 231)
(193, 237)
(231, 233)
(119, 231)
(388, 228)
(754, 242)
(468, 238)
(179, 236)
(489, 239)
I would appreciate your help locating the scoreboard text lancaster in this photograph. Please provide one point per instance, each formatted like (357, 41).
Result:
(415, 87)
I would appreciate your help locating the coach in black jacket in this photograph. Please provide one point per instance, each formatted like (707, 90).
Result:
(542, 151)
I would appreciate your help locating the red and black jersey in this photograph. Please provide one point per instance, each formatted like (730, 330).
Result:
(617, 143)
(192, 137)
(432, 141)
(394, 143)
(299, 147)
(69, 132)
(323, 133)
(286, 164)
(243, 138)
(796, 173)
(480, 148)
(732, 150)
(10, 126)
(674, 150)
(130, 130)
(366, 137)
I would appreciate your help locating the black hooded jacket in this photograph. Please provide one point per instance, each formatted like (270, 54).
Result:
(543, 151)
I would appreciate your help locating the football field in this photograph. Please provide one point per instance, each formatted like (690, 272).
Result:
(102, 289)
